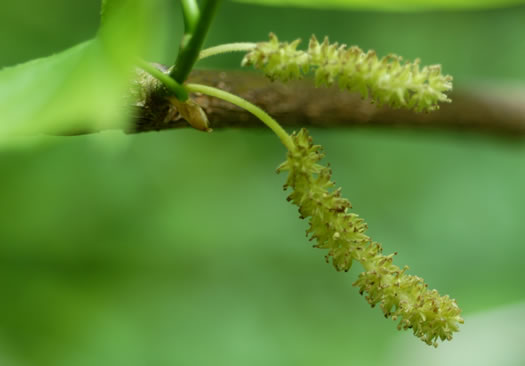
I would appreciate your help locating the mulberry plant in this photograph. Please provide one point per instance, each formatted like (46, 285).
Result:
(340, 233)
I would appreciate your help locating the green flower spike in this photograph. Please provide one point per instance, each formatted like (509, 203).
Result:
(387, 80)
(400, 296)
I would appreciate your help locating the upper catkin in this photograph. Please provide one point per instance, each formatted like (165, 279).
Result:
(386, 80)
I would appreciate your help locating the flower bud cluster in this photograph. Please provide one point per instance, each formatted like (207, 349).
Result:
(388, 80)
(343, 235)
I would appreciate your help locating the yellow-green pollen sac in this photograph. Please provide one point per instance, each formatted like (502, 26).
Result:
(342, 234)
(386, 81)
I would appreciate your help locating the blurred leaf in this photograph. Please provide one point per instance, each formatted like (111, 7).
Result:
(400, 5)
(81, 88)
(60, 92)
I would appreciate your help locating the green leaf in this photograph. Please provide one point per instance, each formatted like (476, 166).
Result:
(399, 5)
(80, 89)
(60, 93)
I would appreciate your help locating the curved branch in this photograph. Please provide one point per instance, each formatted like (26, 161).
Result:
(491, 108)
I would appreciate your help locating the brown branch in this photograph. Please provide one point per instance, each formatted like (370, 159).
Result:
(492, 109)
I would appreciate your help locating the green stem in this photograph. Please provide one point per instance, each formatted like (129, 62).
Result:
(177, 89)
(191, 13)
(225, 48)
(244, 104)
(192, 42)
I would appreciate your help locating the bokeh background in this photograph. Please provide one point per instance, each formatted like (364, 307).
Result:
(179, 248)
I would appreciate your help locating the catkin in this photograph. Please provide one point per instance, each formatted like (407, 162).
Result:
(342, 234)
(387, 80)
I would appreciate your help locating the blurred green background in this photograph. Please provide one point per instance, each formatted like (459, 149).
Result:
(179, 248)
